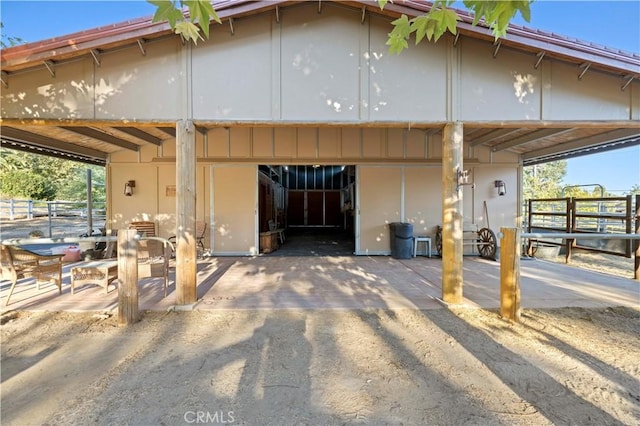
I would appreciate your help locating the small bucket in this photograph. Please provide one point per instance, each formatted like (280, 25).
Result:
(72, 254)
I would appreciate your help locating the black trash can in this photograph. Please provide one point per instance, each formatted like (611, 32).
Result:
(402, 240)
(392, 237)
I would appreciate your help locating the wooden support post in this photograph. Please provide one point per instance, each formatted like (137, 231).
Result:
(452, 213)
(128, 277)
(510, 274)
(186, 273)
(636, 270)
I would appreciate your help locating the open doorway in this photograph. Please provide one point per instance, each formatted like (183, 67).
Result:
(307, 210)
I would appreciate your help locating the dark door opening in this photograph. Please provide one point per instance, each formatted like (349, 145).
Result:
(314, 206)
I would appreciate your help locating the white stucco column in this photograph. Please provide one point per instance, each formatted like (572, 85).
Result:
(452, 141)
(186, 281)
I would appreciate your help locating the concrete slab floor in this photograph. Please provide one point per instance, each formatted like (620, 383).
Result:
(339, 282)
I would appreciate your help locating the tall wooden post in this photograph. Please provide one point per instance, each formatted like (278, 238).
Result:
(636, 261)
(452, 213)
(185, 213)
(510, 274)
(128, 277)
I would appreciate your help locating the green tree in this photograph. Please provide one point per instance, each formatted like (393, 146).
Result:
(75, 188)
(8, 41)
(544, 180)
(441, 19)
(25, 184)
(431, 25)
(41, 177)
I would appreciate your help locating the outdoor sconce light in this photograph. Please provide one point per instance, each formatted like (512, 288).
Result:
(502, 187)
(128, 188)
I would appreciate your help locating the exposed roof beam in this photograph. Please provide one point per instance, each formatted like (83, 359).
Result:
(495, 134)
(140, 45)
(49, 65)
(96, 56)
(171, 131)
(104, 137)
(585, 68)
(4, 78)
(528, 138)
(540, 58)
(628, 82)
(495, 52)
(576, 144)
(587, 151)
(45, 142)
(50, 152)
(140, 134)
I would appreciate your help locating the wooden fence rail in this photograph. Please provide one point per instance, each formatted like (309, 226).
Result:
(510, 263)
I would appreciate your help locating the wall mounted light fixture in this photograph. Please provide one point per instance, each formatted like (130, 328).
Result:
(128, 187)
(502, 187)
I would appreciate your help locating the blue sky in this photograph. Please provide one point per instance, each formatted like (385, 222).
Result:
(611, 23)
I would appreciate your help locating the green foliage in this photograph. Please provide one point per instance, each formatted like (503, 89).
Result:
(39, 177)
(8, 41)
(200, 12)
(12, 160)
(544, 180)
(432, 25)
(498, 14)
(441, 19)
(26, 184)
(75, 187)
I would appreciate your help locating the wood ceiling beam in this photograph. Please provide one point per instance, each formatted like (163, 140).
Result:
(101, 136)
(528, 138)
(140, 134)
(491, 136)
(34, 139)
(171, 131)
(599, 139)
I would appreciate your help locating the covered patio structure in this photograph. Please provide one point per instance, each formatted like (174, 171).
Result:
(429, 133)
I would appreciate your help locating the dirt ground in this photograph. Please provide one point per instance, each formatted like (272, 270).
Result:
(599, 262)
(436, 367)
(458, 366)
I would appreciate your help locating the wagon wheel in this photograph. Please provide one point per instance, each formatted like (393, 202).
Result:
(487, 243)
(439, 241)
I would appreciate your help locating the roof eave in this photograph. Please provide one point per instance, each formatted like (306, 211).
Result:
(104, 38)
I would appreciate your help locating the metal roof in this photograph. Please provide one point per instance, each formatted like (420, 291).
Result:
(93, 141)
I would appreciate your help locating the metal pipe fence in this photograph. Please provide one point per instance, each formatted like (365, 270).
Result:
(94, 213)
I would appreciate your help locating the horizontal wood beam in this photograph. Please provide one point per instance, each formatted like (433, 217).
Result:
(45, 142)
(528, 138)
(601, 138)
(471, 125)
(322, 162)
(493, 135)
(102, 136)
(171, 131)
(140, 134)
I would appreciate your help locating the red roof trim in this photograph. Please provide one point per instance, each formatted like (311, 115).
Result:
(76, 44)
